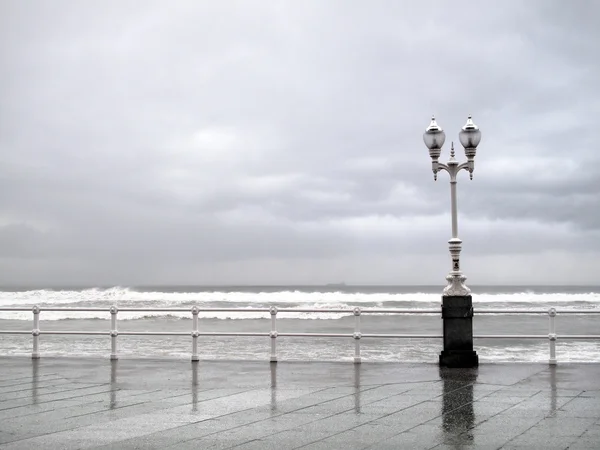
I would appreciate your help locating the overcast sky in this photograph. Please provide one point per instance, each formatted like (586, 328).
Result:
(269, 141)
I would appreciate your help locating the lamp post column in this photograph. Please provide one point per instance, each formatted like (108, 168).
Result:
(457, 303)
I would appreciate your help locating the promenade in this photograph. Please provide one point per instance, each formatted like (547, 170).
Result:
(68, 403)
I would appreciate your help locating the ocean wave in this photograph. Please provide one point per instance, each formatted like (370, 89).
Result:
(130, 297)
(143, 315)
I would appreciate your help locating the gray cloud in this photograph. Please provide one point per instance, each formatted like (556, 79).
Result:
(280, 142)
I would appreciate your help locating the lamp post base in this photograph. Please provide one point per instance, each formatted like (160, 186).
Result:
(457, 314)
(456, 359)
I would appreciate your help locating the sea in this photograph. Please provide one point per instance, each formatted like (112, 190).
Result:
(337, 296)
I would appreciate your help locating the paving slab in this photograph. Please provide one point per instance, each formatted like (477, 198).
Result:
(90, 403)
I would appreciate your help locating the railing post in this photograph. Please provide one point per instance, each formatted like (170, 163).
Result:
(35, 354)
(273, 333)
(357, 335)
(195, 334)
(552, 336)
(113, 333)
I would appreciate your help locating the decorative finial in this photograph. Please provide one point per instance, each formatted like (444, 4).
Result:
(470, 125)
(433, 126)
(452, 154)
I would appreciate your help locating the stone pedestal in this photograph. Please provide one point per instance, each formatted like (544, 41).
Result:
(457, 314)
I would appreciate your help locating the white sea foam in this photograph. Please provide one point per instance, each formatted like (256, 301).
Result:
(125, 297)
(117, 295)
(127, 315)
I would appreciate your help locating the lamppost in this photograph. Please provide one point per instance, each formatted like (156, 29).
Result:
(457, 303)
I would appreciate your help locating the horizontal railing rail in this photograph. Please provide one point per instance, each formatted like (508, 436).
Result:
(266, 310)
(273, 334)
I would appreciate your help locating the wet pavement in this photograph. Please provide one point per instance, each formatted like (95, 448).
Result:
(68, 403)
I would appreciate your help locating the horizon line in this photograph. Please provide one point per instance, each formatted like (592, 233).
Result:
(226, 285)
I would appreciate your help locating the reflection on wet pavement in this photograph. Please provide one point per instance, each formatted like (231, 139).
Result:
(97, 403)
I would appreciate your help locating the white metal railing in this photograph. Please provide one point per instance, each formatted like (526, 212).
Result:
(273, 334)
(551, 336)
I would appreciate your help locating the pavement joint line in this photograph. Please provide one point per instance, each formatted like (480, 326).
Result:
(28, 382)
(66, 390)
(189, 423)
(76, 427)
(96, 412)
(69, 406)
(51, 410)
(16, 377)
(503, 411)
(344, 412)
(66, 398)
(158, 409)
(373, 420)
(38, 387)
(441, 415)
(422, 423)
(586, 430)
(542, 370)
(146, 393)
(525, 431)
(288, 412)
(150, 401)
(563, 395)
(104, 410)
